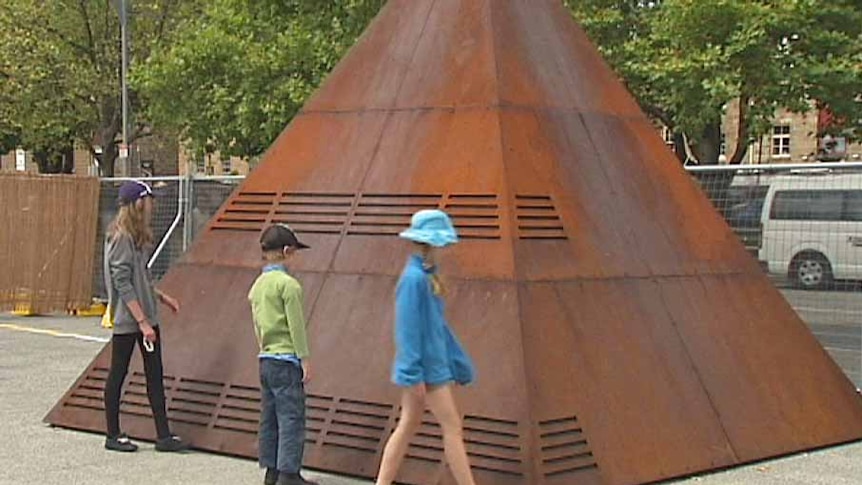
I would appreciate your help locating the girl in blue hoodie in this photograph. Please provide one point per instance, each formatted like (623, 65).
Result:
(428, 356)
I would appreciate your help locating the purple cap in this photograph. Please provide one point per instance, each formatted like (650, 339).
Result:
(133, 190)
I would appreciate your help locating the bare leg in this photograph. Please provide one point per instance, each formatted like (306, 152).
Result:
(412, 407)
(442, 404)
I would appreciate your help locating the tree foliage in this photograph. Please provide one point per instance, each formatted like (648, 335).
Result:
(238, 73)
(687, 60)
(60, 65)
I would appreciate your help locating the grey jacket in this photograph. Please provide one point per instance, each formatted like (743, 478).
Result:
(127, 279)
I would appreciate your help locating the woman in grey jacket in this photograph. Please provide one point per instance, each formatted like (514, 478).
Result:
(133, 304)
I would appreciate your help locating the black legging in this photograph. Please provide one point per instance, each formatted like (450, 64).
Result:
(122, 347)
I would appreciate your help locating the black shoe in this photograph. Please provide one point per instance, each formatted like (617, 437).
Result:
(271, 477)
(120, 443)
(171, 443)
(295, 479)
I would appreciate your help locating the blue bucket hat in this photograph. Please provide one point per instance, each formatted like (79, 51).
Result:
(432, 227)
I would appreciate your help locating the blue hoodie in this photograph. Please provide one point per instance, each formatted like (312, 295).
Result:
(426, 350)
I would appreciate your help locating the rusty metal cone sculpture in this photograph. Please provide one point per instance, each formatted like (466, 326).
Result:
(620, 331)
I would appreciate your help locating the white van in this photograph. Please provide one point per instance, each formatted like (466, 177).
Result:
(812, 228)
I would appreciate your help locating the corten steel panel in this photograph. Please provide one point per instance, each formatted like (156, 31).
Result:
(621, 333)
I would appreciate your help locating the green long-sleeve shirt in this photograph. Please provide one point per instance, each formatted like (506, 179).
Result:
(276, 307)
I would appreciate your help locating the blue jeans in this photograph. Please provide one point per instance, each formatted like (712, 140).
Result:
(282, 416)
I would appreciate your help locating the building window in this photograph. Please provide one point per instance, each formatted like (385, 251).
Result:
(200, 163)
(667, 136)
(225, 165)
(781, 140)
(722, 149)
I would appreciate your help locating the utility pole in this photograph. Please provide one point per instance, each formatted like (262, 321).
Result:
(123, 8)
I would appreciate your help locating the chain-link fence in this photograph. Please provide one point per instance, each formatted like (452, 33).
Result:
(802, 222)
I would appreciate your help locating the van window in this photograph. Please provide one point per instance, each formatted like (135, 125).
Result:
(817, 205)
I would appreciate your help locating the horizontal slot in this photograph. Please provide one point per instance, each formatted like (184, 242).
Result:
(478, 236)
(250, 407)
(187, 421)
(381, 406)
(306, 212)
(472, 196)
(237, 419)
(528, 217)
(504, 472)
(317, 231)
(259, 220)
(256, 193)
(368, 431)
(240, 387)
(496, 446)
(315, 204)
(558, 446)
(357, 415)
(536, 207)
(365, 436)
(236, 229)
(350, 447)
(252, 203)
(236, 429)
(568, 457)
(308, 222)
(532, 197)
(492, 432)
(427, 459)
(381, 232)
(575, 469)
(575, 433)
(476, 226)
(471, 206)
(334, 437)
(326, 195)
(196, 392)
(246, 399)
(246, 210)
(376, 223)
(84, 405)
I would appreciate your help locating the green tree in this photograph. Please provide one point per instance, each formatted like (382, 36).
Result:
(687, 60)
(239, 72)
(60, 64)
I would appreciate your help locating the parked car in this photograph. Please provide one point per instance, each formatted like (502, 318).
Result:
(811, 228)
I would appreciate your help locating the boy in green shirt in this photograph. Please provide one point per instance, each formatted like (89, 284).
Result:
(279, 324)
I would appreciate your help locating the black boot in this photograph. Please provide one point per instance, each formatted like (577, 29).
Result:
(271, 477)
(120, 443)
(294, 479)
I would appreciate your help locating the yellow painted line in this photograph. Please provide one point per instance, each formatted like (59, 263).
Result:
(52, 333)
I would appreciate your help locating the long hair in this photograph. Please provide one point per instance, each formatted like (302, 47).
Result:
(131, 221)
(438, 284)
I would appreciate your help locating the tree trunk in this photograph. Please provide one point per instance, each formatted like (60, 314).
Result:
(707, 150)
(55, 161)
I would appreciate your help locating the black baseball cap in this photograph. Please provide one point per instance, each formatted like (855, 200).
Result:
(280, 236)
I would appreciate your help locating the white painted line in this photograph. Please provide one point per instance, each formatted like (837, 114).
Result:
(53, 333)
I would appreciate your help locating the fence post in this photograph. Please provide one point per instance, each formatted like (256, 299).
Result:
(188, 208)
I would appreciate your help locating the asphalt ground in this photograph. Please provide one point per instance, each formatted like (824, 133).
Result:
(40, 357)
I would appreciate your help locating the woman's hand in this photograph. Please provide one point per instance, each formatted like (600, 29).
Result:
(147, 330)
(169, 301)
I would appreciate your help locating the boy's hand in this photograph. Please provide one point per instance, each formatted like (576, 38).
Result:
(306, 371)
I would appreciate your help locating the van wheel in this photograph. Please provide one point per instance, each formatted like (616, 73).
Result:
(811, 271)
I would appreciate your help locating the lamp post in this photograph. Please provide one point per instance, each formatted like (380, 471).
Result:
(123, 9)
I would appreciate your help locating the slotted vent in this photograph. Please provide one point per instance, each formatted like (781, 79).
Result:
(492, 445)
(537, 218)
(357, 425)
(427, 444)
(134, 400)
(90, 393)
(194, 401)
(248, 211)
(318, 213)
(388, 214)
(476, 216)
(239, 410)
(565, 449)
